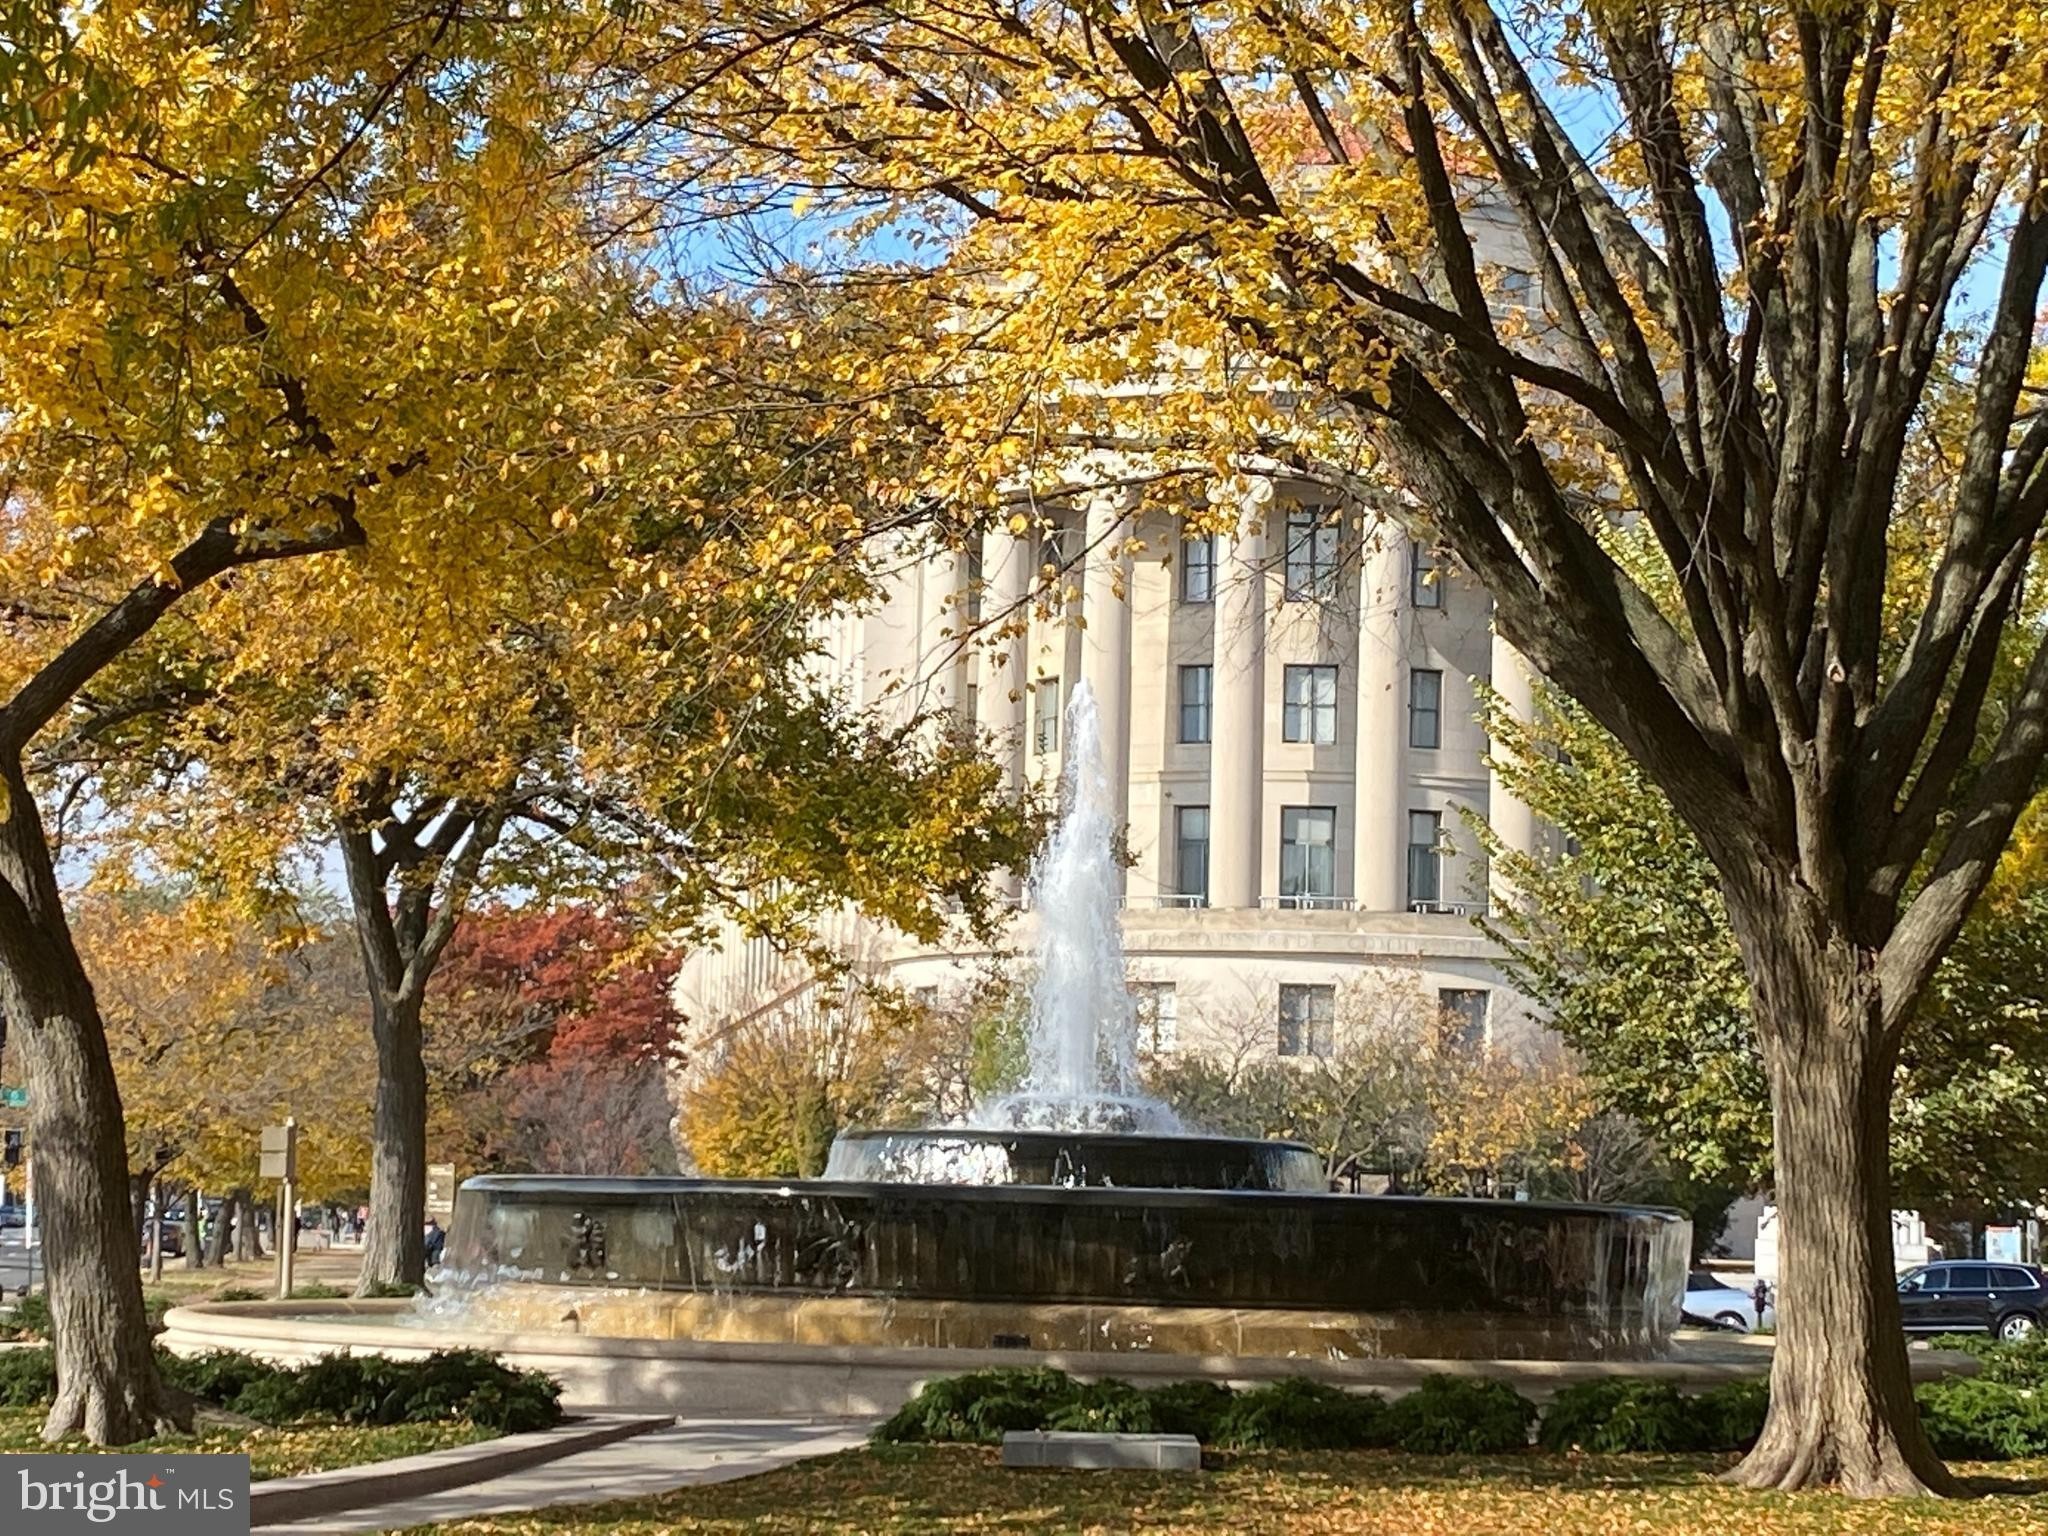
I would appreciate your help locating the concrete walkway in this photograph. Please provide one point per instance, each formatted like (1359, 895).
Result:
(694, 1451)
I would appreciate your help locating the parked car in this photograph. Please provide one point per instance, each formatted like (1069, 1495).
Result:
(1973, 1296)
(1710, 1299)
(12, 1216)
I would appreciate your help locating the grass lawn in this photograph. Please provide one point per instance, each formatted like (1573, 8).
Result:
(272, 1452)
(903, 1490)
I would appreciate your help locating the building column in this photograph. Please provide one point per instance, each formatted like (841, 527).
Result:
(1106, 639)
(1237, 735)
(1380, 787)
(1510, 818)
(1002, 667)
(1002, 682)
(941, 646)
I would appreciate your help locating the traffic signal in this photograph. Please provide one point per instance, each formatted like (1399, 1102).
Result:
(10, 1150)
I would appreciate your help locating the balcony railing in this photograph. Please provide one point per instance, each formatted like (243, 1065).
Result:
(1306, 903)
(1448, 908)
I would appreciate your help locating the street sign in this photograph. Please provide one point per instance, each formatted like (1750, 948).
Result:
(280, 1152)
(440, 1189)
(13, 1098)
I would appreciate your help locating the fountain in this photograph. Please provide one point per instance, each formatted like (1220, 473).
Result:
(1082, 1061)
(1075, 1214)
(1074, 1217)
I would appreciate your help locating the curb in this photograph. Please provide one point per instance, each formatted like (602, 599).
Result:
(318, 1494)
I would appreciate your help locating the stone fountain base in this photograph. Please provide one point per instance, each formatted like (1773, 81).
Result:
(877, 1322)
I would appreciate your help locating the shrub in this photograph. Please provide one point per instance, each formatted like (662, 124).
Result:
(1460, 1416)
(1731, 1416)
(28, 1318)
(1190, 1408)
(1114, 1407)
(28, 1377)
(978, 1406)
(2022, 1363)
(1973, 1419)
(219, 1377)
(373, 1389)
(1620, 1414)
(1300, 1415)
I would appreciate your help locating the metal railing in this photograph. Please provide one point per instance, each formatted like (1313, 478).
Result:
(1449, 908)
(1309, 903)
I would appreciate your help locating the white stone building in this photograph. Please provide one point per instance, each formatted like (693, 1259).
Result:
(1291, 726)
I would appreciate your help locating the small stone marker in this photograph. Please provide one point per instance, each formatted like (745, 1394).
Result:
(1094, 1450)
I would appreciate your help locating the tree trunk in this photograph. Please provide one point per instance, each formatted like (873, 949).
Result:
(107, 1385)
(1842, 1409)
(248, 1241)
(195, 1205)
(217, 1240)
(138, 1203)
(394, 1243)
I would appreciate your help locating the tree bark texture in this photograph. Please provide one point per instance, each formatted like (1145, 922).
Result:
(248, 1241)
(394, 1243)
(1842, 1407)
(107, 1385)
(195, 1206)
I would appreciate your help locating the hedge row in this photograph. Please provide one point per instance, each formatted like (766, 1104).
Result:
(1445, 1415)
(1999, 1416)
(339, 1389)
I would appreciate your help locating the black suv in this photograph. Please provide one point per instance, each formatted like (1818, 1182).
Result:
(1972, 1296)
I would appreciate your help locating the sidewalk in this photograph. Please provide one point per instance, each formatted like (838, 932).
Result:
(694, 1451)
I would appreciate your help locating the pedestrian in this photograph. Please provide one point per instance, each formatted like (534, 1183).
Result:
(436, 1240)
(1760, 1298)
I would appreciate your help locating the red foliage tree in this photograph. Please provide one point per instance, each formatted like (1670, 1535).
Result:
(569, 984)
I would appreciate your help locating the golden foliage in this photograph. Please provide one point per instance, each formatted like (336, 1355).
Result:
(218, 1029)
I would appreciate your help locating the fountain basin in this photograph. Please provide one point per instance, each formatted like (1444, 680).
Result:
(1071, 1269)
(1069, 1160)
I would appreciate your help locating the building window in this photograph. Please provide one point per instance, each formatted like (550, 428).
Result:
(1194, 703)
(1425, 577)
(1158, 1017)
(1425, 861)
(1198, 570)
(1308, 855)
(1191, 853)
(926, 998)
(1046, 725)
(1425, 709)
(1516, 289)
(1463, 1012)
(1308, 1020)
(1311, 555)
(1309, 711)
